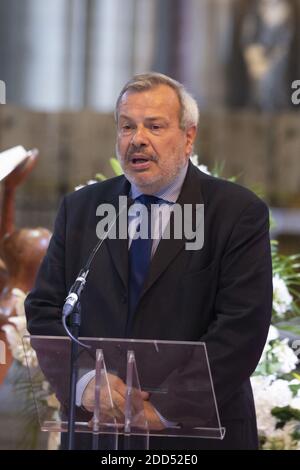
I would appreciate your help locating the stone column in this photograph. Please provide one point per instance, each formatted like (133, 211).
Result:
(205, 32)
(109, 51)
(44, 53)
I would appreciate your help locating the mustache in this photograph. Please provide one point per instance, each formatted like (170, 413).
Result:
(140, 153)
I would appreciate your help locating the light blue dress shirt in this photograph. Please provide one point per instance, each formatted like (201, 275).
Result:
(161, 213)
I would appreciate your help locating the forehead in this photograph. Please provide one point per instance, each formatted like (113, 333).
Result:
(157, 100)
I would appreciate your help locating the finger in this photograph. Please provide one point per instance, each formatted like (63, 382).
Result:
(140, 395)
(119, 401)
(118, 385)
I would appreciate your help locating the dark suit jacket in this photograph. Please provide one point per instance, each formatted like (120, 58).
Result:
(221, 294)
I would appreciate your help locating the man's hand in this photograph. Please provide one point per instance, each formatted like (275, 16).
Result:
(113, 402)
(154, 422)
(112, 397)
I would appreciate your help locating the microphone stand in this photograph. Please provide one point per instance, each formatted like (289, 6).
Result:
(75, 322)
(72, 307)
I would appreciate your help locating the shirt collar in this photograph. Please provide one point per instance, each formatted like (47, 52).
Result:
(170, 193)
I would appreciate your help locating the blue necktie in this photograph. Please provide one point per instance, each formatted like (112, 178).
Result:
(140, 258)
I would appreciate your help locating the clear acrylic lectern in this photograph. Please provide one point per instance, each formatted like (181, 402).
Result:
(175, 375)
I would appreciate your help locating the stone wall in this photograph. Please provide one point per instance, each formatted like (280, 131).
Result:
(262, 149)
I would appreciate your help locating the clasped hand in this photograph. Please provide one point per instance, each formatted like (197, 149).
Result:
(113, 399)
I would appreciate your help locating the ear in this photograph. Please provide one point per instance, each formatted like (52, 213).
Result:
(190, 133)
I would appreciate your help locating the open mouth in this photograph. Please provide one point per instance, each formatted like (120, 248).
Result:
(139, 160)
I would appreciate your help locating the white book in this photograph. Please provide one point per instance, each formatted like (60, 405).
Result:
(10, 159)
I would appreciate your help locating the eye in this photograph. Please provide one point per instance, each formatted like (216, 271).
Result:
(156, 127)
(125, 128)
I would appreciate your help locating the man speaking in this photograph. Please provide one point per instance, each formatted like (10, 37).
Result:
(158, 287)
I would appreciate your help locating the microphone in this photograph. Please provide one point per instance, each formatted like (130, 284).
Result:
(75, 293)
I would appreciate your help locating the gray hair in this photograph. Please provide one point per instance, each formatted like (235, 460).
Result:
(189, 112)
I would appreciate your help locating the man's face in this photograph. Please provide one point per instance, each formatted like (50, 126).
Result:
(151, 147)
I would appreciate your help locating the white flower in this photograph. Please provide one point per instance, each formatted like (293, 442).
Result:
(20, 324)
(80, 186)
(265, 421)
(282, 439)
(12, 336)
(53, 402)
(295, 403)
(54, 440)
(271, 391)
(260, 382)
(279, 393)
(270, 394)
(277, 357)
(20, 350)
(16, 330)
(195, 161)
(282, 300)
(285, 356)
(204, 169)
(273, 334)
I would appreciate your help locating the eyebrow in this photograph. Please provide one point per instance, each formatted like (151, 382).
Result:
(150, 118)
(155, 118)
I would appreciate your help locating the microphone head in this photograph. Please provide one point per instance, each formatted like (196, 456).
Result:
(70, 303)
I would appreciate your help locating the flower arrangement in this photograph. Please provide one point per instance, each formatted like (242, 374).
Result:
(25, 357)
(286, 282)
(15, 330)
(276, 388)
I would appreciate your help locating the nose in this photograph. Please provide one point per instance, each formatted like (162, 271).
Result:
(139, 137)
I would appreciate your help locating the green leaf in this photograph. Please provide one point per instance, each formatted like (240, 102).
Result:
(285, 413)
(294, 389)
(117, 169)
(100, 177)
(292, 328)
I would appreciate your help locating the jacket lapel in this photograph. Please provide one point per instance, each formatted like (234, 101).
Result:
(118, 247)
(167, 250)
